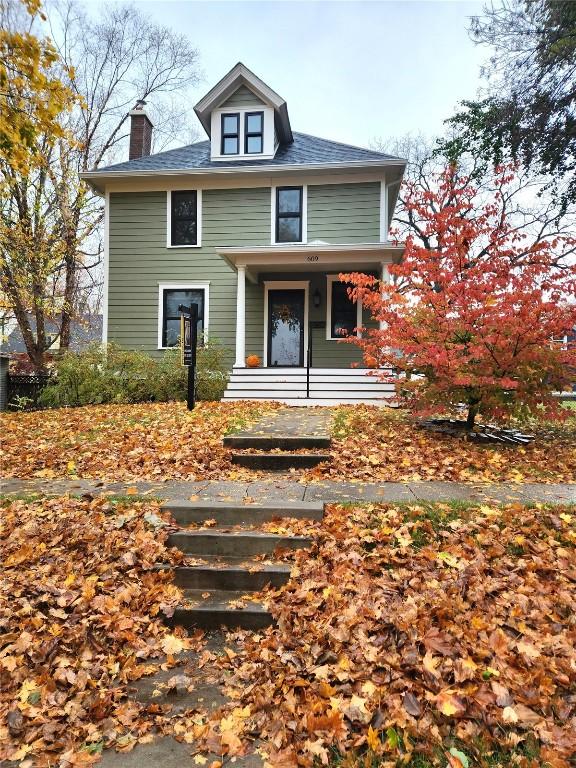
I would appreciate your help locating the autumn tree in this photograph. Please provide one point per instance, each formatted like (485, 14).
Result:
(529, 110)
(32, 97)
(472, 312)
(527, 201)
(51, 221)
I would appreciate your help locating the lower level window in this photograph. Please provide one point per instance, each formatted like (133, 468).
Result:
(344, 315)
(170, 299)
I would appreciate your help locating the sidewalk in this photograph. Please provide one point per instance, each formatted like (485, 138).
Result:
(282, 486)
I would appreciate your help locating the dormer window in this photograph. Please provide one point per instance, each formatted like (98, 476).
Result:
(230, 134)
(253, 133)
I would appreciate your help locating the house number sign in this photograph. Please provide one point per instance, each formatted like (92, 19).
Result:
(311, 258)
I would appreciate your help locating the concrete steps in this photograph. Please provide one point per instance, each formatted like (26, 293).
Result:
(276, 442)
(217, 608)
(232, 575)
(235, 543)
(196, 512)
(223, 567)
(277, 462)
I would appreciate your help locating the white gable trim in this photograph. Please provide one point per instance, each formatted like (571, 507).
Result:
(241, 75)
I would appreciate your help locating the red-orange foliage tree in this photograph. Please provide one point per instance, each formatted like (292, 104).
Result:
(470, 319)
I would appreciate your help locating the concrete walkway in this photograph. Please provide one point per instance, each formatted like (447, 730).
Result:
(290, 422)
(285, 487)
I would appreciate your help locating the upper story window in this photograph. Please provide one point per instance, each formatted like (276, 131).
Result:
(230, 134)
(289, 214)
(184, 218)
(254, 133)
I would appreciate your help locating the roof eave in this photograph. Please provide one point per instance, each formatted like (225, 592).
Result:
(92, 177)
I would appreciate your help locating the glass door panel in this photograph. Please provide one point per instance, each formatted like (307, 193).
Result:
(286, 327)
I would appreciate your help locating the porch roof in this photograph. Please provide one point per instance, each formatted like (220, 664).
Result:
(310, 257)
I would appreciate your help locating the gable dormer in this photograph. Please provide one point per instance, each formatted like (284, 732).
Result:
(244, 118)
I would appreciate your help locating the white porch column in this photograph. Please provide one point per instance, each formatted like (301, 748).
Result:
(240, 317)
(385, 278)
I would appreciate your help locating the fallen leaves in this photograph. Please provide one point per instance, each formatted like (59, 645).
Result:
(401, 452)
(160, 441)
(465, 635)
(81, 607)
(152, 441)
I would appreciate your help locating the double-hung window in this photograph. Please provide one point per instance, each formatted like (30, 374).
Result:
(230, 134)
(289, 214)
(344, 315)
(253, 133)
(184, 218)
(170, 300)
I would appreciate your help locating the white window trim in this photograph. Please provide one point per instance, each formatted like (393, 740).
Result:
(198, 218)
(281, 284)
(330, 280)
(304, 214)
(268, 148)
(198, 285)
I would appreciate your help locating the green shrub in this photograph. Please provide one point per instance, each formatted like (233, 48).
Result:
(114, 375)
(211, 371)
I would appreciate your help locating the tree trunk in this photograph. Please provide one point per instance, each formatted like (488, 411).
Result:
(69, 301)
(471, 416)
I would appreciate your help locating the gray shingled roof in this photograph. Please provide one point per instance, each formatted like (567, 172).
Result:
(303, 151)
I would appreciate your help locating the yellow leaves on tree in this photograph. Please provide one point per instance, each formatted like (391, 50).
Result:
(32, 97)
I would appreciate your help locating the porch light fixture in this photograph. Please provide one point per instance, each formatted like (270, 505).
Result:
(317, 298)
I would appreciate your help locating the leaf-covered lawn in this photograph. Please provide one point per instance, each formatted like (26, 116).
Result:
(410, 631)
(151, 441)
(164, 441)
(383, 444)
(406, 631)
(81, 611)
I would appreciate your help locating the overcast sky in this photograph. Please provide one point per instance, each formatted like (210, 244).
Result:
(349, 71)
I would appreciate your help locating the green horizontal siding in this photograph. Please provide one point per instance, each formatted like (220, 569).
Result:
(344, 213)
(139, 260)
(243, 97)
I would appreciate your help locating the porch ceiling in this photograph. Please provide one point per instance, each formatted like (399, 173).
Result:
(311, 257)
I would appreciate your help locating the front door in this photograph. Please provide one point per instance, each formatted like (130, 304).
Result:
(286, 327)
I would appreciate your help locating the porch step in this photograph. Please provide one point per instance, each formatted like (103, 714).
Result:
(282, 442)
(232, 574)
(276, 370)
(235, 544)
(212, 609)
(279, 461)
(326, 386)
(271, 393)
(189, 512)
(304, 402)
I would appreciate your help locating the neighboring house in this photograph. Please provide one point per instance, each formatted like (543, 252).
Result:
(254, 225)
(83, 331)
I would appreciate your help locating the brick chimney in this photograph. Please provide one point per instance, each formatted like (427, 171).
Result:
(140, 131)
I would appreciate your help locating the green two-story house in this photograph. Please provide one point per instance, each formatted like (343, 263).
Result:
(254, 225)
